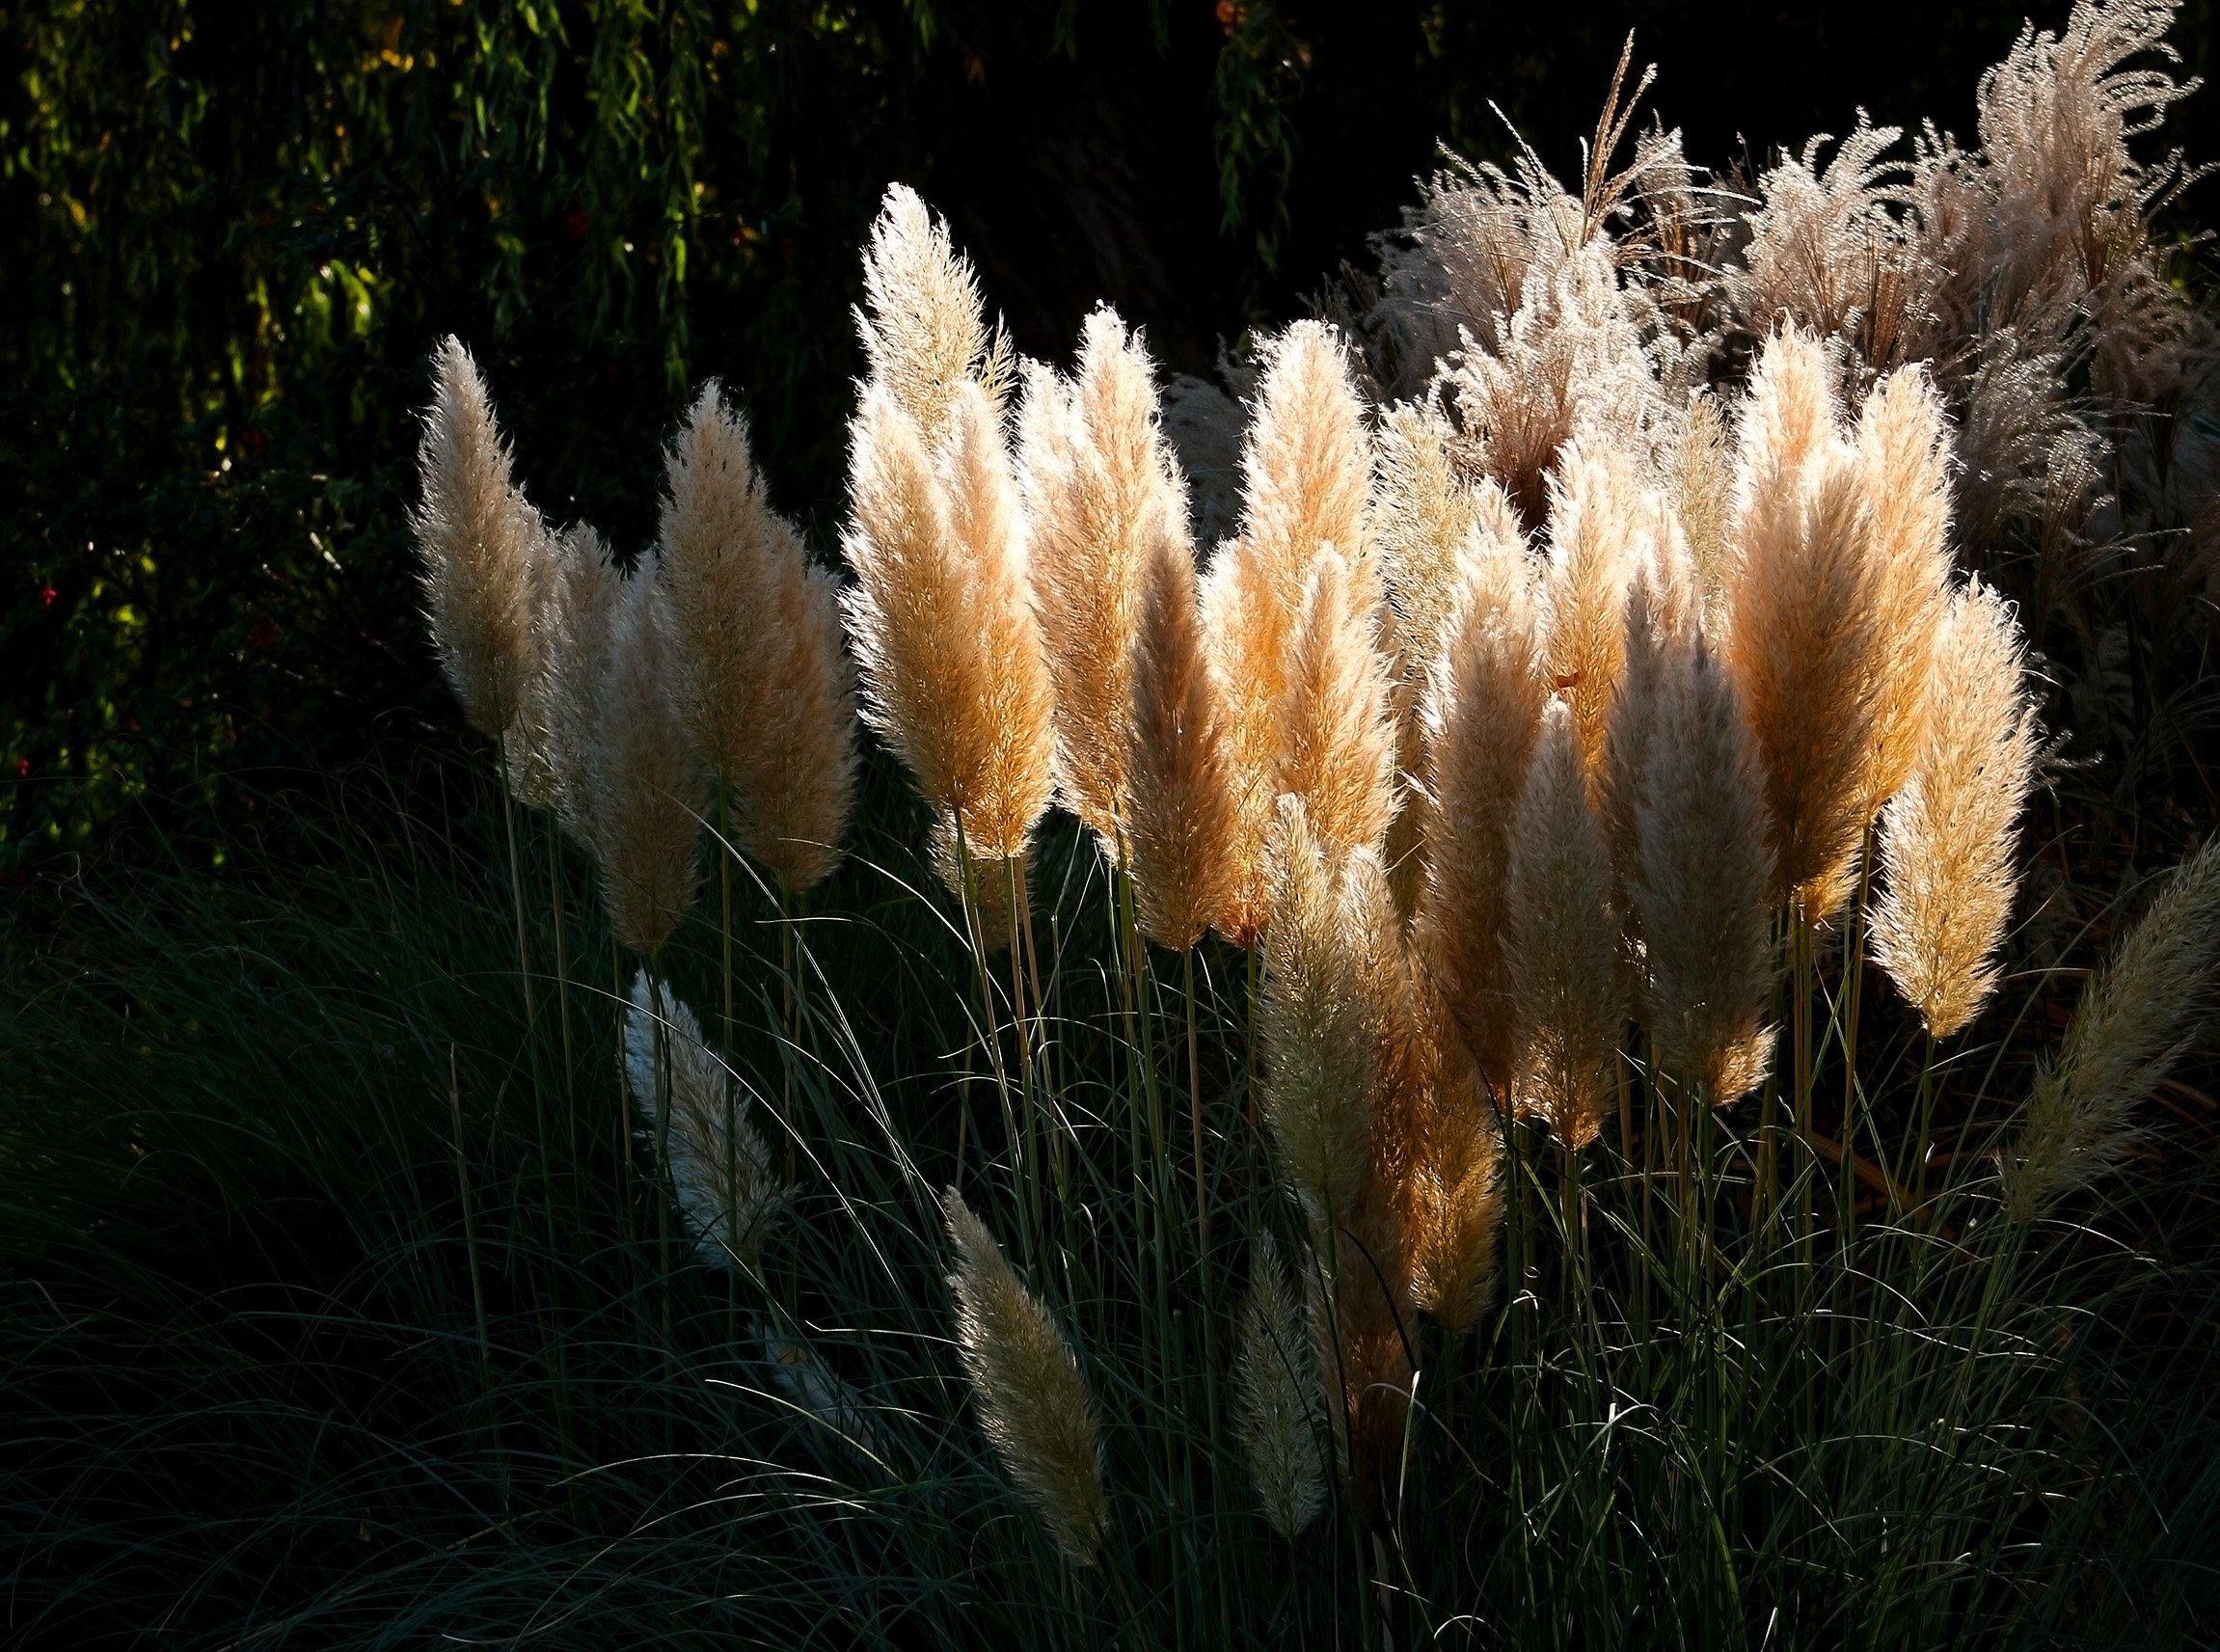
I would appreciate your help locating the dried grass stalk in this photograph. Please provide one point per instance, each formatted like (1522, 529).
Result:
(1033, 1403)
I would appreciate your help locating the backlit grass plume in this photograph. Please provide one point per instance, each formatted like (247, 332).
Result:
(481, 546)
(1948, 838)
(578, 626)
(1337, 738)
(1562, 939)
(944, 634)
(1033, 1403)
(1603, 525)
(2134, 1020)
(1275, 1413)
(1483, 714)
(755, 642)
(1305, 469)
(1812, 637)
(1101, 490)
(923, 327)
(1702, 881)
(648, 782)
(721, 1168)
(1180, 810)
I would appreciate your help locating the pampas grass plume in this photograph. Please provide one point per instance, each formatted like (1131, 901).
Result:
(648, 781)
(479, 542)
(1276, 1396)
(719, 1166)
(1337, 741)
(1564, 941)
(1947, 838)
(578, 625)
(1033, 1402)
(1598, 524)
(2134, 1020)
(1181, 815)
(923, 327)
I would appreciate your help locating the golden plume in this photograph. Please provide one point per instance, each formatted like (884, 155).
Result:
(1101, 490)
(1948, 836)
(480, 544)
(1180, 825)
(1562, 939)
(923, 327)
(1601, 523)
(1337, 744)
(1033, 1403)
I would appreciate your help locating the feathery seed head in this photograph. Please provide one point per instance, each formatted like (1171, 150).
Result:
(578, 631)
(479, 542)
(1948, 837)
(1276, 1413)
(1033, 1402)
(1563, 940)
(648, 777)
(924, 329)
(2134, 1020)
(1337, 741)
(1180, 814)
(1602, 524)
(720, 1168)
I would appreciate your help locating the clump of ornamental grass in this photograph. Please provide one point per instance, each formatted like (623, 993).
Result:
(1033, 1402)
(719, 1166)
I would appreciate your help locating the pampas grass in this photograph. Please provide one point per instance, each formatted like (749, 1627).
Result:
(648, 780)
(1275, 1412)
(1336, 734)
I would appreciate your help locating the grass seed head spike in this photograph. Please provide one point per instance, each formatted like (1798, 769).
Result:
(1100, 489)
(1601, 524)
(1338, 740)
(1949, 837)
(1481, 716)
(1033, 1402)
(578, 625)
(923, 326)
(1563, 940)
(2134, 1019)
(721, 1168)
(1306, 468)
(1180, 826)
(481, 543)
(1702, 482)
(1702, 882)
(1316, 1030)
(649, 783)
(1276, 1394)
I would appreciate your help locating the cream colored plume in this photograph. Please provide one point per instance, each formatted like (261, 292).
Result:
(1337, 739)
(1276, 1396)
(648, 782)
(1305, 469)
(2133, 1022)
(1660, 617)
(924, 329)
(1702, 482)
(1702, 881)
(1604, 525)
(578, 627)
(1181, 813)
(755, 639)
(1033, 1403)
(481, 545)
(1813, 637)
(1482, 716)
(1562, 939)
(943, 630)
(1948, 838)
(1101, 490)
(1317, 1030)
(721, 1170)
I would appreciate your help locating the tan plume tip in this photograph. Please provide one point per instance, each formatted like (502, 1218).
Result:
(578, 626)
(1703, 882)
(923, 326)
(1702, 474)
(2130, 1026)
(1483, 712)
(1033, 1403)
(1306, 469)
(1904, 454)
(1661, 614)
(939, 616)
(1812, 635)
(1947, 838)
(1563, 940)
(1426, 516)
(1602, 521)
(479, 541)
(1100, 489)
(756, 646)
(1452, 1193)
(1276, 1396)
(1338, 745)
(721, 1171)
(1180, 816)
(1316, 1030)
(995, 887)
(647, 777)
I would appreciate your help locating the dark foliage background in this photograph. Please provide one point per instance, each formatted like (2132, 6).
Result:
(234, 232)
